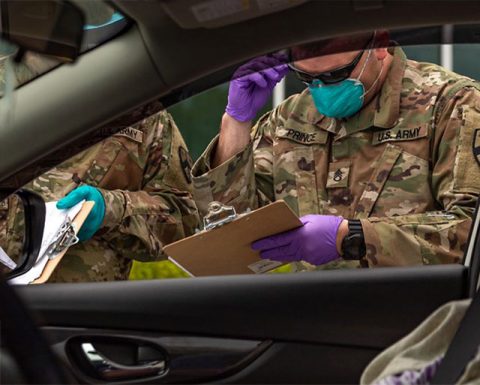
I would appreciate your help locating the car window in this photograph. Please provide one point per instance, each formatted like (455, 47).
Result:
(394, 182)
(202, 113)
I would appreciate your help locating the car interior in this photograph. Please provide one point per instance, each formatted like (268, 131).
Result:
(321, 327)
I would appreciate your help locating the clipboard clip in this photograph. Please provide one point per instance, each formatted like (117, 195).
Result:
(65, 238)
(218, 215)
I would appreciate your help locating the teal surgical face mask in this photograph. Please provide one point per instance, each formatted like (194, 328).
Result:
(343, 99)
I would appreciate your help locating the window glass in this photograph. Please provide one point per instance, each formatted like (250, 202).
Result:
(120, 168)
(425, 53)
(465, 60)
(193, 117)
(199, 117)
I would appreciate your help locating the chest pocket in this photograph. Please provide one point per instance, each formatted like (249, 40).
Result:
(399, 185)
(294, 167)
(117, 164)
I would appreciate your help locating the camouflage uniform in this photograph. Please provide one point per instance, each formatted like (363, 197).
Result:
(143, 173)
(403, 165)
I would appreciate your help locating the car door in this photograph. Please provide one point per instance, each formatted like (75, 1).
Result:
(316, 327)
(320, 327)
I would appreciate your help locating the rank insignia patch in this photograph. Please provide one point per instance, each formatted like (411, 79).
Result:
(338, 173)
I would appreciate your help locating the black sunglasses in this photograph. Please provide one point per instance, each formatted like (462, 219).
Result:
(330, 77)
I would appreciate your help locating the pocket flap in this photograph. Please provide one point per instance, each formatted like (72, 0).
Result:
(377, 181)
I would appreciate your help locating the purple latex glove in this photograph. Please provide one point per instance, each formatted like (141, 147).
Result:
(252, 85)
(315, 242)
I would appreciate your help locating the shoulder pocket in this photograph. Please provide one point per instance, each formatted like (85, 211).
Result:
(467, 162)
(116, 165)
(178, 174)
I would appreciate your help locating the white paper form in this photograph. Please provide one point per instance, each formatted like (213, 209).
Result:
(54, 219)
(6, 260)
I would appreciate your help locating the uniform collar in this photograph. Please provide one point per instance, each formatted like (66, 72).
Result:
(382, 111)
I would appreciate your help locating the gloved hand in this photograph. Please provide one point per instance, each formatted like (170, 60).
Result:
(95, 218)
(315, 242)
(252, 85)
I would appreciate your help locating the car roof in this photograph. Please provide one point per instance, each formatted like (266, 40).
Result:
(139, 72)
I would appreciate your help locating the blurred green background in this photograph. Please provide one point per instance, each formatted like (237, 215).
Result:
(199, 120)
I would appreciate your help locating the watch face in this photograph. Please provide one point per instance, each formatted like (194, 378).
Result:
(353, 247)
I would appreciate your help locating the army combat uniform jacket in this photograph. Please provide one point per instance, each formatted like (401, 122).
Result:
(404, 165)
(143, 174)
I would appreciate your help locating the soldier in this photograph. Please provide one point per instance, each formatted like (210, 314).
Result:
(139, 179)
(375, 155)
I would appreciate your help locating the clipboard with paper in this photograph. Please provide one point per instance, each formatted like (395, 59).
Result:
(224, 246)
(60, 233)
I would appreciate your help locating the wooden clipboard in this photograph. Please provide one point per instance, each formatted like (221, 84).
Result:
(53, 263)
(227, 249)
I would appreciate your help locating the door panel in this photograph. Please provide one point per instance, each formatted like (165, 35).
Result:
(324, 326)
(293, 363)
(122, 355)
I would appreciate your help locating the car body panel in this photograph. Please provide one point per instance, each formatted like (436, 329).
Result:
(312, 319)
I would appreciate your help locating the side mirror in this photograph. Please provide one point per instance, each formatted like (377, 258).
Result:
(33, 218)
(49, 27)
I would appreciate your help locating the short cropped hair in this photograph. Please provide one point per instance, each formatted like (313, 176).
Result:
(347, 43)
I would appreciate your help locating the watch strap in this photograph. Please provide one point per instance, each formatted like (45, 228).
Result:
(353, 245)
(355, 227)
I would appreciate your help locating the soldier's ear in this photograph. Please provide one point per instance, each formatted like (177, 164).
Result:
(382, 39)
(381, 53)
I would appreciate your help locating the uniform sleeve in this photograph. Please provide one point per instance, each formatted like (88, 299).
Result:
(139, 223)
(437, 236)
(12, 229)
(244, 181)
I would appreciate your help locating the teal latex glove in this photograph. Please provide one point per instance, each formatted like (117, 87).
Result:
(95, 218)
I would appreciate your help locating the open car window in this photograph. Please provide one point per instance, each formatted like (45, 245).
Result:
(130, 160)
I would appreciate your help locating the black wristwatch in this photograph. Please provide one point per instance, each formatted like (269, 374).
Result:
(353, 245)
